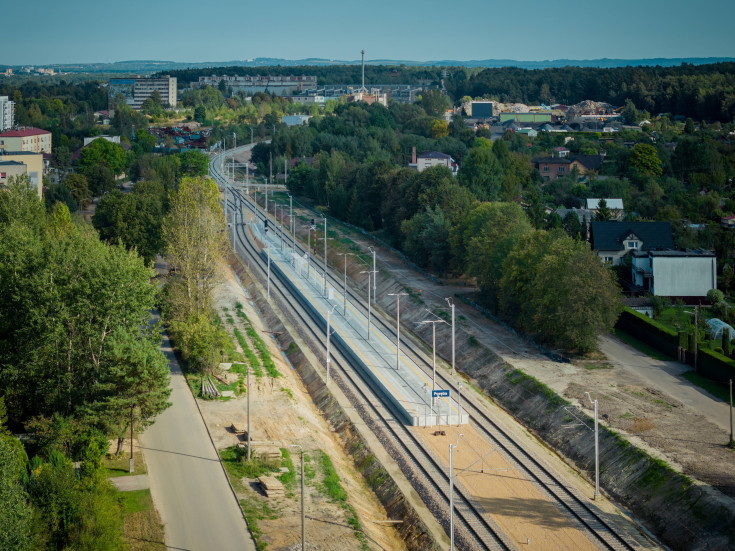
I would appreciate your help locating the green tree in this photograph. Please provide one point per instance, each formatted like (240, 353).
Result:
(200, 113)
(77, 184)
(15, 512)
(434, 103)
(196, 241)
(103, 152)
(134, 384)
(603, 212)
(644, 158)
(193, 163)
(100, 178)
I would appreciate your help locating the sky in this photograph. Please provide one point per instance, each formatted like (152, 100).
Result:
(85, 31)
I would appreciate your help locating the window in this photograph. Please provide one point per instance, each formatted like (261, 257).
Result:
(561, 170)
(631, 244)
(546, 168)
(2, 175)
(608, 259)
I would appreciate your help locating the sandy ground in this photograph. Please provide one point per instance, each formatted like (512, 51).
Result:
(516, 505)
(283, 414)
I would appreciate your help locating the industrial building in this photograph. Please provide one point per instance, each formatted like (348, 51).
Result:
(136, 90)
(280, 85)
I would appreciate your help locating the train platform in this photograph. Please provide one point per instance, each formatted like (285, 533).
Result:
(405, 386)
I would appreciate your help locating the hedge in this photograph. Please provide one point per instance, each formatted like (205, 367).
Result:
(649, 331)
(715, 366)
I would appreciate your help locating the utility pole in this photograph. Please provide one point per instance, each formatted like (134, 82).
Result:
(451, 304)
(268, 249)
(451, 492)
(247, 367)
(303, 515)
(293, 228)
(732, 442)
(329, 332)
(266, 196)
(696, 336)
(597, 450)
(270, 174)
(325, 256)
(132, 461)
(398, 324)
(459, 403)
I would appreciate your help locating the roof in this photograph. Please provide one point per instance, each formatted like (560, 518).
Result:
(4, 153)
(616, 204)
(609, 236)
(592, 162)
(582, 214)
(24, 132)
(434, 155)
(555, 160)
(686, 253)
(11, 163)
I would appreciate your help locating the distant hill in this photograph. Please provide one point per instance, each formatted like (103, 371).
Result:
(155, 66)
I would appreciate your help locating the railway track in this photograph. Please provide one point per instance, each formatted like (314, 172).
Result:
(551, 484)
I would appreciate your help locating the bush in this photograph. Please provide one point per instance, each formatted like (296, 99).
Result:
(715, 296)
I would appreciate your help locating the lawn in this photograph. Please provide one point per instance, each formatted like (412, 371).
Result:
(120, 466)
(713, 388)
(143, 528)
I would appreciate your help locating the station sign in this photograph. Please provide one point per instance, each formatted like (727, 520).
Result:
(440, 393)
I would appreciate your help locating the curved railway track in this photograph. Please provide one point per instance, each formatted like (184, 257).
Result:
(567, 499)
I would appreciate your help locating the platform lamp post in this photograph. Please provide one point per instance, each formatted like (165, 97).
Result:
(433, 341)
(268, 250)
(452, 448)
(325, 256)
(580, 422)
(451, 304)
(247, 368)
(329, 332)
(292, 222)
(375, 292)
(303, 515)
(368, 272)
(398, 324)
(344, 292)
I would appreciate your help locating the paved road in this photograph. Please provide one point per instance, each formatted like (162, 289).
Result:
(666, 376)
(187, 483)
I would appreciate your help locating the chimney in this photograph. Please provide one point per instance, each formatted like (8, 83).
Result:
(413, 155)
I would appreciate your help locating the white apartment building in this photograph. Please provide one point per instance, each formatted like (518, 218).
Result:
(7, 113)
(137, 90)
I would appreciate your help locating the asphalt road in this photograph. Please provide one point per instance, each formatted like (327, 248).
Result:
(666, 376)
(187, 482)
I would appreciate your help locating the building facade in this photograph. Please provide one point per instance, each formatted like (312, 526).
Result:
(136, 90)
(33, 163)
(675, 273)
(8, 169)
(24, 138)
(7, 113)
(611, 241)
(431, 159)
(285, 85)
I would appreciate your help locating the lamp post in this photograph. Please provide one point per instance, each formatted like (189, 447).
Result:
(459, 403)
(451, 304)
(433, 341)
(329, 332)
(452, 447)
(398, 324)
(375, 295)
(344, 293)
(368, 272)
(303, 516)
(293, 228)
(597, 450)
(325, 256)
(247, 368)
(268, 250)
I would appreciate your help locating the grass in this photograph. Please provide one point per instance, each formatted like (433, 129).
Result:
(115, 466)
(256, 509)
(590, 367)
(143, 528)
(263, 352)
(288, 478)
(238, 467)
(252, 358)
(641, 346)
(710, 386)
(331, 486)
(288, 392)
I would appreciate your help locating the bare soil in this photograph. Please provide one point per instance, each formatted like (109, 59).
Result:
(283, 414)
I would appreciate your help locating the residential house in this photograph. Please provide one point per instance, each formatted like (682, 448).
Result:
(614, 205)
(295, 120)
(26, 138)
(561, 152)
(33, 163)
(728, 221)
(552, 168)
(587, 163)
(613, 240)
(433, 158)
(681, 274)
(9, 169)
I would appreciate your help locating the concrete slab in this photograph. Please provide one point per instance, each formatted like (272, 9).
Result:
(130, 483)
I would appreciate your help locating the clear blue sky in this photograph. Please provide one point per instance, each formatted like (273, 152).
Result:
(52, 31)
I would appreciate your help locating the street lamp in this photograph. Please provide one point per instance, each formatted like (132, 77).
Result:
(268, 251)
(452, 447)
(303, 516)
(325, 256)
(398, 324)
